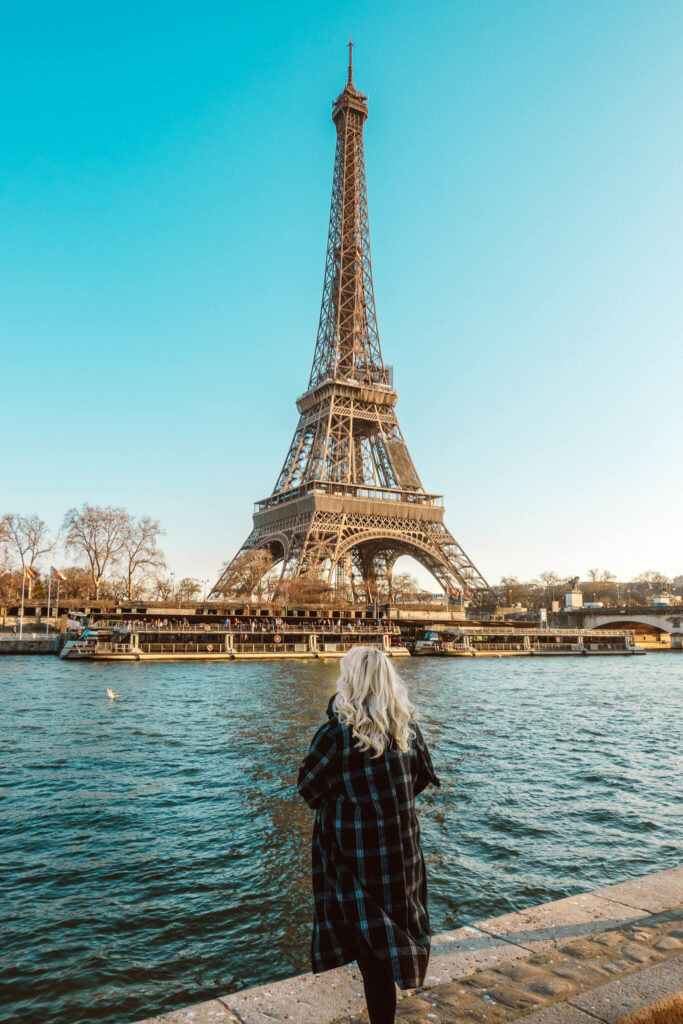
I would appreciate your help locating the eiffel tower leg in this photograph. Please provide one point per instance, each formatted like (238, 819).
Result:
(257, 556)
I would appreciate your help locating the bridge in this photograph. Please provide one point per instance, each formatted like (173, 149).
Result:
(659, 625)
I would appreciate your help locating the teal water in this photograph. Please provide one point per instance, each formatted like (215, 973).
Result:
(154, 852)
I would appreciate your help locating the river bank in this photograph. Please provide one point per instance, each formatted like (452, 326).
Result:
(598, 956)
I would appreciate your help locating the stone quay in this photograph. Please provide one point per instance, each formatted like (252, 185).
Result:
(603, 957)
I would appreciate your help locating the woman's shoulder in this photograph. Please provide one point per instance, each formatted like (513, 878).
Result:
(329, 729)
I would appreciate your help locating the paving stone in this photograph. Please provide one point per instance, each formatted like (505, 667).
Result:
(638, 953)
(543, 956)
(520, 971)
(553, 923)
(585, 949)
(455, 1004)
(656, 892)
(633, 992)
(668, 942)
(554, 986)
(501, 990)
(608, 938)
(617, 966)
(640, 933)
(483, 1013)
(415, 1010)
(584, 975)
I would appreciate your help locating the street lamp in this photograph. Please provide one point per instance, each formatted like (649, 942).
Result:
(205, 585)
(172, 587)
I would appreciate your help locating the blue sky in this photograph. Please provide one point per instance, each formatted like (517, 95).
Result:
(165, 176)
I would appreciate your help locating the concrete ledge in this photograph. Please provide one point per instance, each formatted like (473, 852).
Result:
(305, 999)
(651, 892)
(542, 927)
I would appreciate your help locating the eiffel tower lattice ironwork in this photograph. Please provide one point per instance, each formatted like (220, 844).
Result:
(348, 501)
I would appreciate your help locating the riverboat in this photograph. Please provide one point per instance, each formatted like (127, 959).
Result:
(516, 642)
(164, 640)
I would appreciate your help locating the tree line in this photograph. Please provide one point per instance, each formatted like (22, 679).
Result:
(115, 554)
(600, 585)
(118, 556)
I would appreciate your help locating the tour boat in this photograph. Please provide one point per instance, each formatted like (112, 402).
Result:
(213, 641)
(509, 641)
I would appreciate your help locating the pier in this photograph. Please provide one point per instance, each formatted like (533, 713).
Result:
(602, 957)
(29, 643)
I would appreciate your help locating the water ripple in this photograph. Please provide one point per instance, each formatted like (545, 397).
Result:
(153, 851)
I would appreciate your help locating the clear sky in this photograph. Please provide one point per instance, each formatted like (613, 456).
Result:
(165, 175)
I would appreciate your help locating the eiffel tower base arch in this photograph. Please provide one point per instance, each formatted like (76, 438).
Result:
(353, 548)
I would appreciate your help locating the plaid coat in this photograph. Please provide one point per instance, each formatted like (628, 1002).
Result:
(368, 869)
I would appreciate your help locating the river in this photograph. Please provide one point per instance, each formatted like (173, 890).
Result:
(154, 851)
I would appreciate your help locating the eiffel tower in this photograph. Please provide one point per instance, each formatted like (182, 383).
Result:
(348, 501)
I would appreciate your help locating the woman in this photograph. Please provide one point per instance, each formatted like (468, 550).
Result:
(364, 768)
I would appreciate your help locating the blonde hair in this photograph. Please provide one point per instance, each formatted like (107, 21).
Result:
(373, 700)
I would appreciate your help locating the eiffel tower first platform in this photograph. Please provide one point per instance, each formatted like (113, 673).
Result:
(348, 501)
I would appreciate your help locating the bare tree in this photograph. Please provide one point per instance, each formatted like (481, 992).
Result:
(307, 588)
(161, 588)
(247, 571)
(140, 553)
(188, 589)
(29, 537)
(549, 580)
(114, 588)
(606, 576)
(404, 585)
(10, 579)
(77, 583)
(511, 587)
(594, 575)
(653, 578)
(97, 535)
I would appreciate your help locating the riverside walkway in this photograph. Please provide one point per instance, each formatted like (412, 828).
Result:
(604, 957)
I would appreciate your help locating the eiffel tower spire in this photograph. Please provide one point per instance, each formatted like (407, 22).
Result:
(347, 346)
(348, 501)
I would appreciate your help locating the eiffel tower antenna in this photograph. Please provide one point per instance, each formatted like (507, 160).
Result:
(348, 500)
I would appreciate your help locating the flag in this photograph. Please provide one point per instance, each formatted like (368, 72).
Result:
(55, 574)
(29, 573)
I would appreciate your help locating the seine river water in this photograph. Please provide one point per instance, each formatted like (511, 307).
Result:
(154, 852)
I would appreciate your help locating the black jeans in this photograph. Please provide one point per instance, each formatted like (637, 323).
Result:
(378, 983)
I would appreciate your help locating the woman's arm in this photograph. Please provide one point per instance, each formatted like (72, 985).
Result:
(425, 770)
(314, 775)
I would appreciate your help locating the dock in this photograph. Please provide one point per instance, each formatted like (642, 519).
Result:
(602, 957)
(29, 643)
